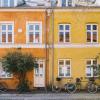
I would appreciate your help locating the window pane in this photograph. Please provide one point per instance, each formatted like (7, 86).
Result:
(37, 39)
(3, 27)
(3, 37)
(61, 73)
(66, 27)
(89, 62)
(11, 3)
(10, 27)
(9, 37)
(31, 27)
(94, 36)
(94, 62)
(61, 37)
(37, 27)
(88, 71)
(31, 38)
(88, 36)
(5, 3)
(95, 71)
(61, 27)
(88, 27)
(63, 3)
(67, 62)
(67, 72)
(61, 62)
(66, 36)
(94, 27)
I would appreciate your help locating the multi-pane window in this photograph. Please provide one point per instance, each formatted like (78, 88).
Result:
(8, 3)
(66, 3)
(34, 32)
(6, 32)
(64, 33)
(3, 73)
(64, 68)
(91, 68)
(92, 33)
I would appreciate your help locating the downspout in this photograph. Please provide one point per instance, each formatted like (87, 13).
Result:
(46, 58)
(52, 23)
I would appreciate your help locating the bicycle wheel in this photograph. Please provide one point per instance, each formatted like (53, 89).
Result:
(92, 88)
(2, 89)
(56, 89)
(71, 88)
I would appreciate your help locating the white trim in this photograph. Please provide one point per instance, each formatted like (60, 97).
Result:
(92, 32)
(22, 45)
(39, 61)
(69, 45)
(7, 23)
(64, 64)
(27, 35)
(64, 32)
(31, 45)
(91, 69)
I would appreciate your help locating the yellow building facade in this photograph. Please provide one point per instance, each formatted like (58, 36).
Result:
(66, 42)
(76, 44)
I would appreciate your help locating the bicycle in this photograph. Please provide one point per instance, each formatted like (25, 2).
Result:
(3, 87)
(69, 87)
(91, 85)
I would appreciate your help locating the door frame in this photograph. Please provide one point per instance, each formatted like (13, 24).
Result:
(44, 73)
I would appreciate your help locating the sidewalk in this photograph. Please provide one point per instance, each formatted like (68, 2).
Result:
(50, 96)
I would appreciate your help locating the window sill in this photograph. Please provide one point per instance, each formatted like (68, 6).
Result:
(67, 77)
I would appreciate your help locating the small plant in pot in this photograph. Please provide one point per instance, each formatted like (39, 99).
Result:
(58, 79)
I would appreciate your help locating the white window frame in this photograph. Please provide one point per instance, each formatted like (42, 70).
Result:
(2, 3)
(64, 65)
(64, 34)
(6, 73)
(7, 23)
(27, 33)
(92, 33)
(66, 3)
(91, 69)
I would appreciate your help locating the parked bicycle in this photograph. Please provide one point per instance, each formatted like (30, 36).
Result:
(3, 87)
(69, 87)
(72, 87)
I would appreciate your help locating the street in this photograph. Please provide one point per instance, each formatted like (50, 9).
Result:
(50, 96)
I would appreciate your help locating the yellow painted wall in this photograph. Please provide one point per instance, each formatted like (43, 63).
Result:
(78, 55)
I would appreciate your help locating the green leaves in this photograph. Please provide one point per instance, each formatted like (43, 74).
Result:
(17, 62)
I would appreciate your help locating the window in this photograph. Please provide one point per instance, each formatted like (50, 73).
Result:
(66, 3)
(91, 68)
(3, 73)
(64, 68)
(92, 33)
(64, 33)
(8, 3)
(34, 32)
(7, 32)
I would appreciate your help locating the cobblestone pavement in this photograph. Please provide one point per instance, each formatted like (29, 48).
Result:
(50, 96)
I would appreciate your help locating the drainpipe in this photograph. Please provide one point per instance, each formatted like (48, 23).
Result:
(52, 23)
(46, 51)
